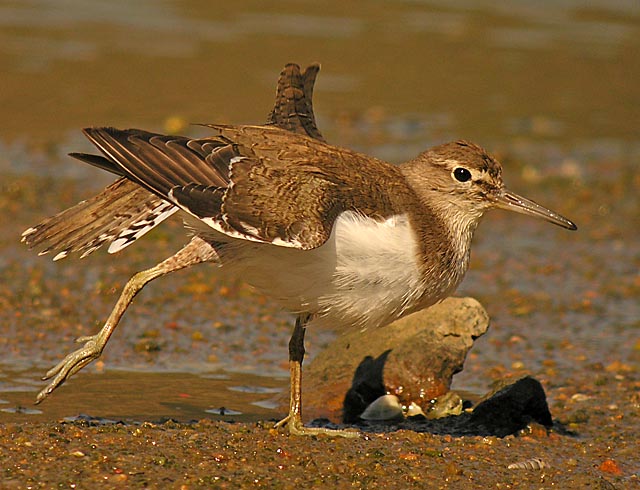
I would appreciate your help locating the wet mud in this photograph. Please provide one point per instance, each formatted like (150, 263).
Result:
(185, 395)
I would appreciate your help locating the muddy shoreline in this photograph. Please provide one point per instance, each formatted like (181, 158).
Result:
(592, 443)
(552, 92)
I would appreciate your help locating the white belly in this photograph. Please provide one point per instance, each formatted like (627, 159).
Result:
(365, 275)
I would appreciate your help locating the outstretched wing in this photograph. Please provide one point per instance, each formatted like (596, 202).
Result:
(124, 211)
(245, 183)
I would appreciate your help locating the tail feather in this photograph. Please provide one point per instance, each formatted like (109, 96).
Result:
(293, 108)
(120, 210)
(98, 161)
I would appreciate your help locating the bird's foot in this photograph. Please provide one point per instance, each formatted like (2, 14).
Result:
(297, 428)
(71, 364)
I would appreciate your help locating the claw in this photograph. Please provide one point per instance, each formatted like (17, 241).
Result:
(41, 396)
(71, 364)
(296, 428)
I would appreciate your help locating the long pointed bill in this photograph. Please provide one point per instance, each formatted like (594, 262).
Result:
(513, 202)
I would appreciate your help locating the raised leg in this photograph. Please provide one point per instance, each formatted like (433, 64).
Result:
(195, 252)
(294, 420)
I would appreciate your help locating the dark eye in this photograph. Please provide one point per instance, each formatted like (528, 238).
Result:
(461, 174)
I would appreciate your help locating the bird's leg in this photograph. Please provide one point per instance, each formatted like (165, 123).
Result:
(294, 420)
(195, 252)
(296, 356)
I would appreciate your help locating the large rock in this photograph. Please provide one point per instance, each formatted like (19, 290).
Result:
(413, 358)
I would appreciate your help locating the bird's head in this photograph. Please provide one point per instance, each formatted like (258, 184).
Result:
(462, 180)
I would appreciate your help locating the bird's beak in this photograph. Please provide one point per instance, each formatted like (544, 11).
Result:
(506, 199)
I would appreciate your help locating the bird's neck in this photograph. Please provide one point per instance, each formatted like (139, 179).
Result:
(444, 233)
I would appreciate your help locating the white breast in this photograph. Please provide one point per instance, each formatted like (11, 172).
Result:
(365, 275)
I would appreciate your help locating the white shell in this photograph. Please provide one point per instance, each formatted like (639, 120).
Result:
(386, 407)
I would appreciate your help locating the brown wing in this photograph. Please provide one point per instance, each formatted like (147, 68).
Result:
(257, 183)
(265, 188)
(124, 211)
(294, 187)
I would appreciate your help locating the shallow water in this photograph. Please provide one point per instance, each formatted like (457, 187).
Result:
(134, 396)
(550, 87)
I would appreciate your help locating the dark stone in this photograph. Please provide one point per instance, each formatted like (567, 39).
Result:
(512, 408)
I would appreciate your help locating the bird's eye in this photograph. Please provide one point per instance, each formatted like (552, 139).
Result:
(462, 174)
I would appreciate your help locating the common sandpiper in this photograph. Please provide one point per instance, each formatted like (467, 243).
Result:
(337, 237)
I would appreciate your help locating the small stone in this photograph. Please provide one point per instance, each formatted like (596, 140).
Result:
(119, 478)
(529, 464)
(147, 345)
(414, 410)
(610, 466)
(445, 405)
(580, 397)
